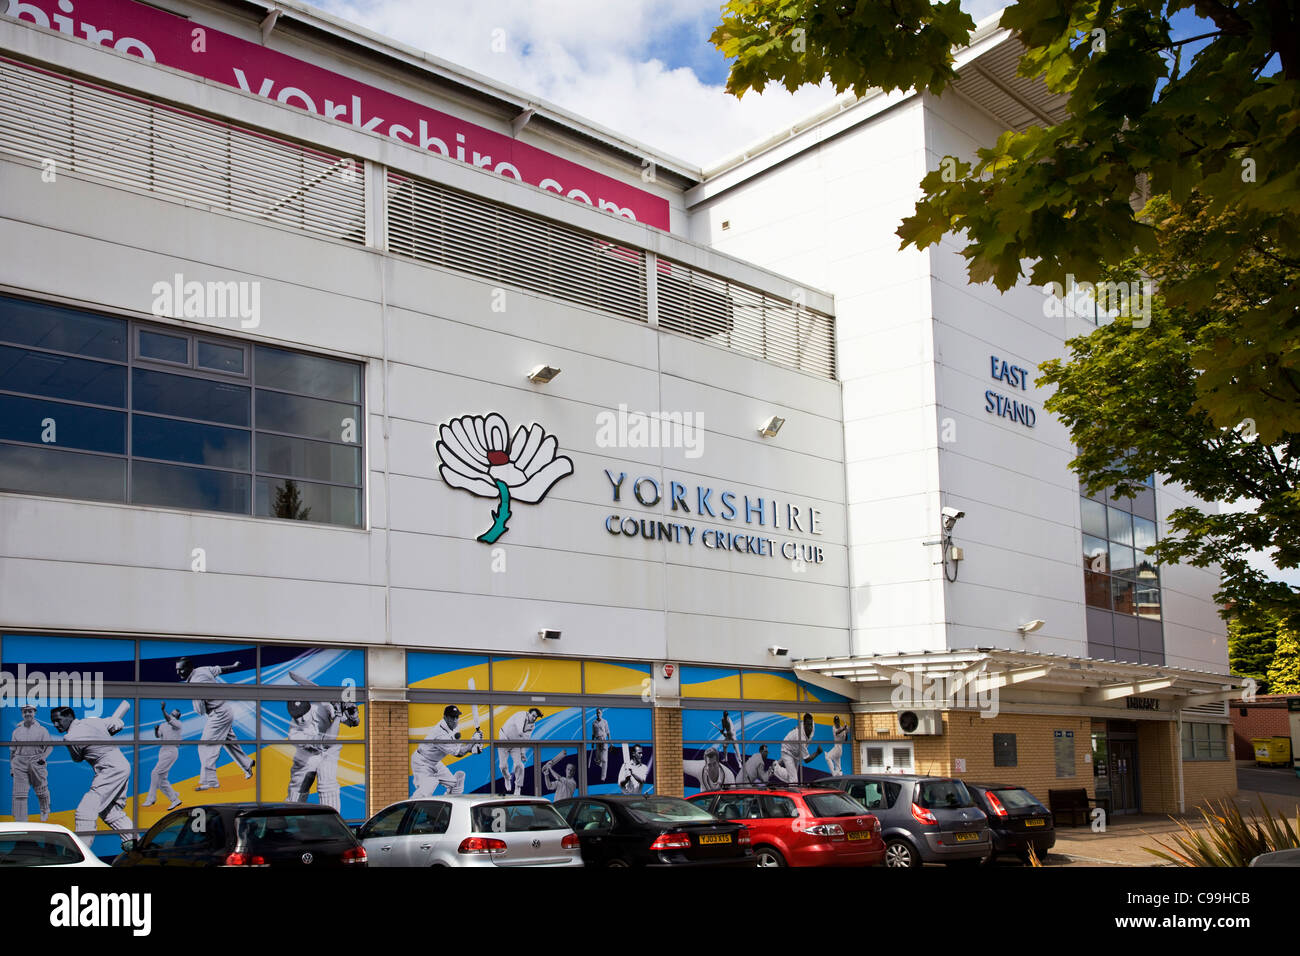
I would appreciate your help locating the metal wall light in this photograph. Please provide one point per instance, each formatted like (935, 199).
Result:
(770, 427)
(1030, 626)
(543, 374)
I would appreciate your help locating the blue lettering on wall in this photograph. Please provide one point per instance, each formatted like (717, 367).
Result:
(995, 403)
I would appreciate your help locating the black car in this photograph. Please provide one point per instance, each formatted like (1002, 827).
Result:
(1017, 818)
(247, 834)
(625, 830)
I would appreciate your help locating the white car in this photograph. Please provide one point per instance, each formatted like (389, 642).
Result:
(43, 844)
(470, 830)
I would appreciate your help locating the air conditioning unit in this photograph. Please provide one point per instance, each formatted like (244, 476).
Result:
(918, 723)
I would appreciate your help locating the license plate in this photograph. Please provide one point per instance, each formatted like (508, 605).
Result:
(966, 837)
(1035, 823)
(860, 835)
(709, 838)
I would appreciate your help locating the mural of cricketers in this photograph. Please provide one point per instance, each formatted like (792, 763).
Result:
(318, 763)
(443, 741)
(564, 786)
(91, 743)
(218, 723)
(728, 733)
(518, 727)
(794, 751)
(169, 730)
(836, 753)
(28, 768)
(633, 774)
(757, 768)
(600, 750)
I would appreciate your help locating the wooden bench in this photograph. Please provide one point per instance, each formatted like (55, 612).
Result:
(1072, 805)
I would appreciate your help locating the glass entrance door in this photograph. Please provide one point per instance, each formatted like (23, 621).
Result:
(1124, 794)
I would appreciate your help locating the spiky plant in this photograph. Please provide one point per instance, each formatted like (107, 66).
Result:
(1228, 839)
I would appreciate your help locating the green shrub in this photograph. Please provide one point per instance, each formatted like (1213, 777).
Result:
(1228, 838)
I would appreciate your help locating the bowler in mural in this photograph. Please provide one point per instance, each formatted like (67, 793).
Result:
(794, 751)
(518, 727)
(218, 723)
(169, 730)
(92, 744)
(28, 768)
(836, 753)
(442, 742)
(479, 455)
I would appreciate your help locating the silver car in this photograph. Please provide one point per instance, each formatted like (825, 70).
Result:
(468, 830)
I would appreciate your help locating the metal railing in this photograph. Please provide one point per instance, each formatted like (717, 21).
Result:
(135, 143)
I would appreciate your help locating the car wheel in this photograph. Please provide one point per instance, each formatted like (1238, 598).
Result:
(899, 853)
(617, 862)
(768, 856)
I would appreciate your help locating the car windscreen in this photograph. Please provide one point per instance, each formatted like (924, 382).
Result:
(272, 829)
(943, 795)
(666, 810)
(515, 818)
(832, 805)
(1017, 798)
(38, 848)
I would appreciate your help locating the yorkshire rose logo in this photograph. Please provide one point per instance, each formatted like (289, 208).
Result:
(479, 456)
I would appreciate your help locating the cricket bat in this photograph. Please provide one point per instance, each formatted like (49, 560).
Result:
(474, 708)
(554, 760)
(120, 713)
(627, 757)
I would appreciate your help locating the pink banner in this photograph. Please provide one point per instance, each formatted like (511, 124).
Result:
(173, 41)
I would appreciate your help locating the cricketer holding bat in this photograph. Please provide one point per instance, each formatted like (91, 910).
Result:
(90, 738)
(31, 748)
(443, 741)
(218, 723)
(564, 787)
(600, 734)
(319, 762)
(632, 776)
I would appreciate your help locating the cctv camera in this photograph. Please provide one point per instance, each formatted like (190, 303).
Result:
(950, 517)
(776, 650)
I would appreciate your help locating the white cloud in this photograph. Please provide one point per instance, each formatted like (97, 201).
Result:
(600, 60)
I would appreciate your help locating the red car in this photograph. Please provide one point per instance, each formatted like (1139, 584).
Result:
(800, 826)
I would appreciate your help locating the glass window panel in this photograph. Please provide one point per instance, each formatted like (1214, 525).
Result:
(200, 489)
(305, 501)
(64, 474)
(1121, 558)
(221, 358)
(1148, 602)
(1144, 532)
(61, 376)
(1146, 568)
(302, 458)
(1094, 518)
(1095, 554)
(64, 330)
(164, 348)
(187, 397)
(43, 422)
(1120, 524)
(1122, 593)
(189, 442)
(311, 417)
(309, 374)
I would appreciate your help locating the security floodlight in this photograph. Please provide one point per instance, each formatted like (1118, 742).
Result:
(543, 374)
(1030, 626)
(770, 427)
(776, 650)
(549, 635)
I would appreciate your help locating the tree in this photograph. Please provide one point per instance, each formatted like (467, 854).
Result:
(1131, 398)
(1221, 126)
(1284, 672)
(1252, 642)
(288, 502)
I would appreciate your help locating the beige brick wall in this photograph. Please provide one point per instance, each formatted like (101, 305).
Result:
(1157, 771)
(388, 763)
(1208, 780)
(668, 752)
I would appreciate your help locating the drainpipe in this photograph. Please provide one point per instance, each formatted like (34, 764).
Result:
(1178, 761)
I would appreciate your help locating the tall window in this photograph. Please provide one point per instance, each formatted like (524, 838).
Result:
(107, 409)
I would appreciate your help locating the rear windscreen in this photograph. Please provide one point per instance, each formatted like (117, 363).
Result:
(1017, 799)
(832, 805)
(667, 810)
(516, 818)
(275, 828)
(943, 795)
(37, 849)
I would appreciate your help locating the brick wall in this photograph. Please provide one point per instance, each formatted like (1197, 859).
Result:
(1157, 773)
(668, 752)
(1260, 721)
(1208, 780)
(388, 764)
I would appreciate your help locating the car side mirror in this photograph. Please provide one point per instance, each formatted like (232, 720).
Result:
(130, 845)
